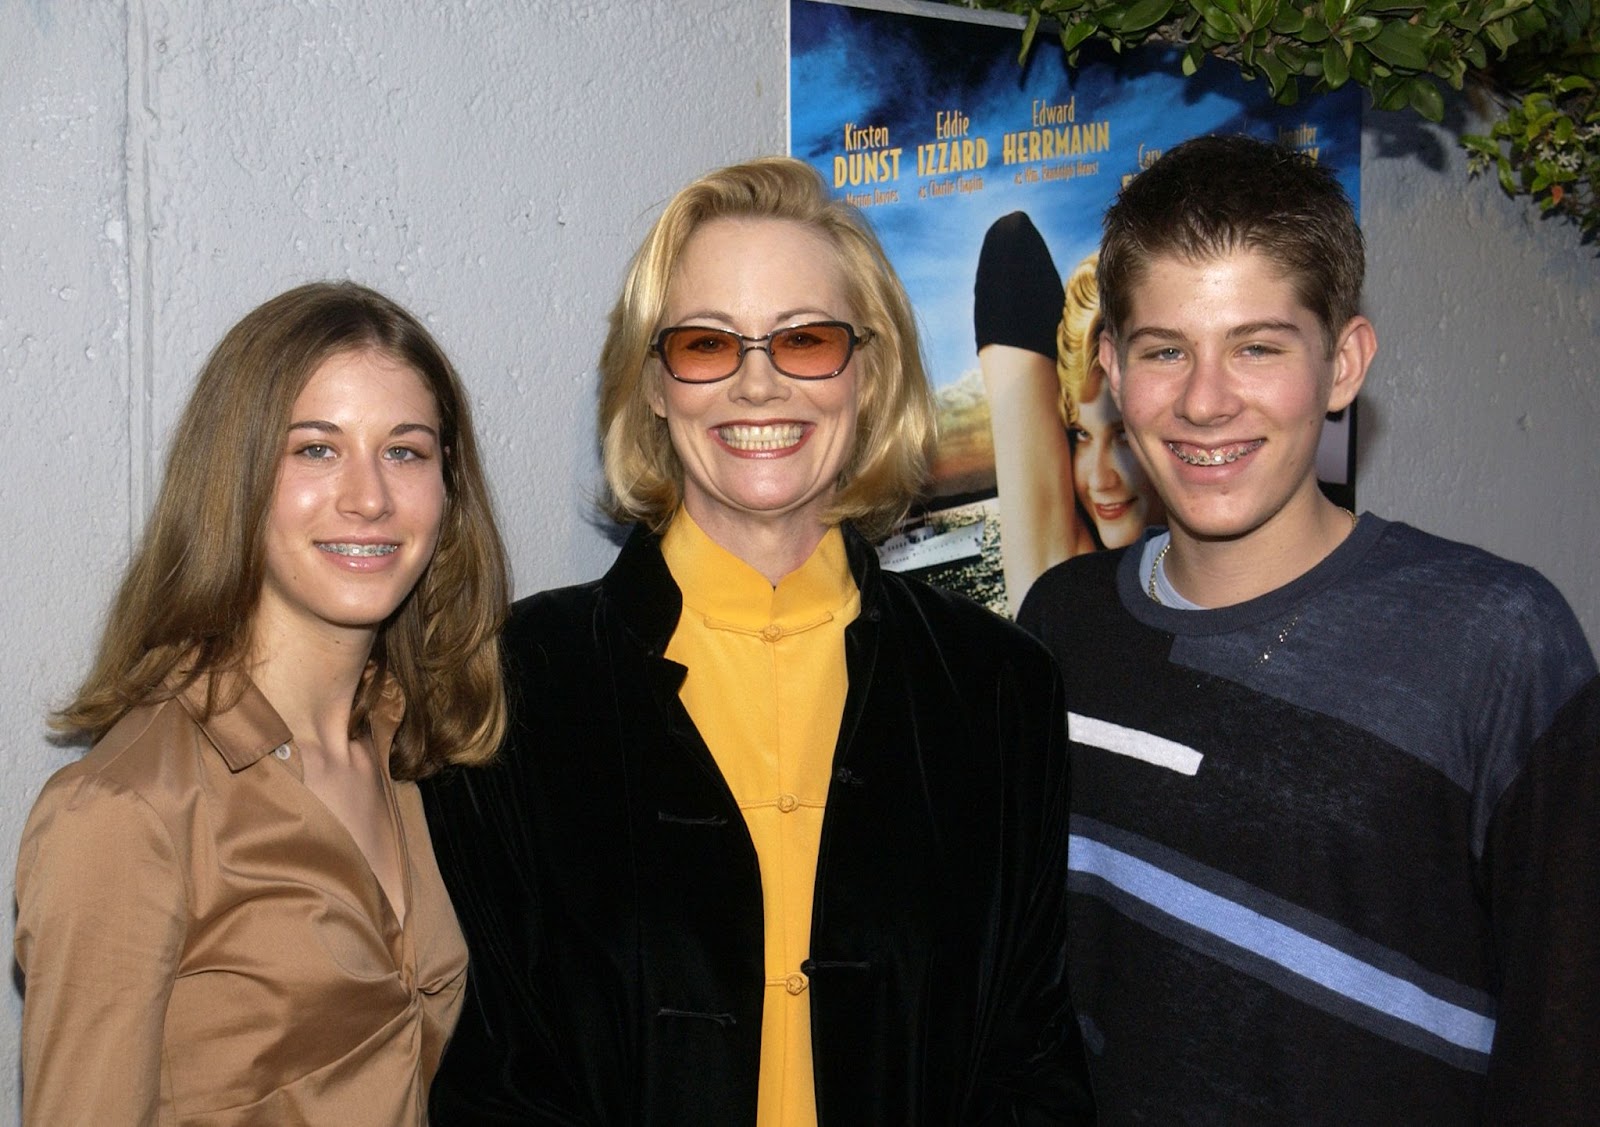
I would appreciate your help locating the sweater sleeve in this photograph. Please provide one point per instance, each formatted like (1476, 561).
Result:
(101, 920)
(1541, 865)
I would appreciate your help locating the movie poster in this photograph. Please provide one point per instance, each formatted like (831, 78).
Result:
(986, 179)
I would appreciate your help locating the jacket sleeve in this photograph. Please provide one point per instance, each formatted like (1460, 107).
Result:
(1033, 1069)
(502, 1064)
(101, 919)
(1542, 866)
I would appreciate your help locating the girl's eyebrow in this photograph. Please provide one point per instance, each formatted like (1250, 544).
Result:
(415, 428)
(324, 427)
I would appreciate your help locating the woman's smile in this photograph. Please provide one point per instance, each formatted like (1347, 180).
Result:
(758, 439)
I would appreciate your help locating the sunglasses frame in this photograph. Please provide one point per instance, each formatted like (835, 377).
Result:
(853, 341)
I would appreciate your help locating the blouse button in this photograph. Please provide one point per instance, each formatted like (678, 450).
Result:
(772, 633)
(788, 803)
(281, 751)
(795, 983)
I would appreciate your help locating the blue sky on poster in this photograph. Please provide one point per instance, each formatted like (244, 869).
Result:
(869, 67)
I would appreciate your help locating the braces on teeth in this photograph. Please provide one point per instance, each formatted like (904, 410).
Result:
(362, 549)
(1218, 457)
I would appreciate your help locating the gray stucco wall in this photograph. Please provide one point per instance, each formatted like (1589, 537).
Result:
(165, 166)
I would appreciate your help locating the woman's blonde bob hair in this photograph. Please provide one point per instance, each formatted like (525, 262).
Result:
(1078, 340)
(895, 420)
(185, 608)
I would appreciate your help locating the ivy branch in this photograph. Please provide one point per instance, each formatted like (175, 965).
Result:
(1539, 60)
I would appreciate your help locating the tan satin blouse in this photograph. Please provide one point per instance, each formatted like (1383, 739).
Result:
(205, 944)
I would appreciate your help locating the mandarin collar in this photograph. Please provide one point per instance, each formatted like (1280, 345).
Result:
(644, 594)
(718, 584)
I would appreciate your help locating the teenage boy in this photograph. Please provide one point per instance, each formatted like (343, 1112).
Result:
(1335, 845)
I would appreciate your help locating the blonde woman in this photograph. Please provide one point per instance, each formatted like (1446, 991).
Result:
(777, 837)
(229, 911)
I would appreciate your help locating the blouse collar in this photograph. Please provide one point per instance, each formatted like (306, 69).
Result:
(249, 728)
(718, 584)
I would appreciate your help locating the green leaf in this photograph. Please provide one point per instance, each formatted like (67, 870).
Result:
(1277, 74)
(1389, 93)
(1028, 34)
(1290, 21)
(1425, 98)
(1361, 29)
(1315, 32)
(1507, 183)
(1335, 66)
(1505, 10)
(1145, 14)
(1401, 45)
(1222, 25)
(1479, 144)
(1296, 58)
(1502, 34)
(1361, 66)
(1073, 37)
(1539, 123)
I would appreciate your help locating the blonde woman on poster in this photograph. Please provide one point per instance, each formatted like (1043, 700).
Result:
(1067, 482)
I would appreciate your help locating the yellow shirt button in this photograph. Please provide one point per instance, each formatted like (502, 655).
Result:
(795, 983)
(788, 803)
(772, 633)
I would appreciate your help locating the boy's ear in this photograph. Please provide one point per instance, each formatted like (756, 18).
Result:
(1111, 366)
(1352, 356)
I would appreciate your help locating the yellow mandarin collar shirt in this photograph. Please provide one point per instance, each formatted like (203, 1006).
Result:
(766, 687)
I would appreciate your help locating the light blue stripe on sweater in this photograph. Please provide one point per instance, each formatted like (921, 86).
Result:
(1298, 953)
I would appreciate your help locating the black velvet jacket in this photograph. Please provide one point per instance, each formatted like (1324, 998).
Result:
(611, 896)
